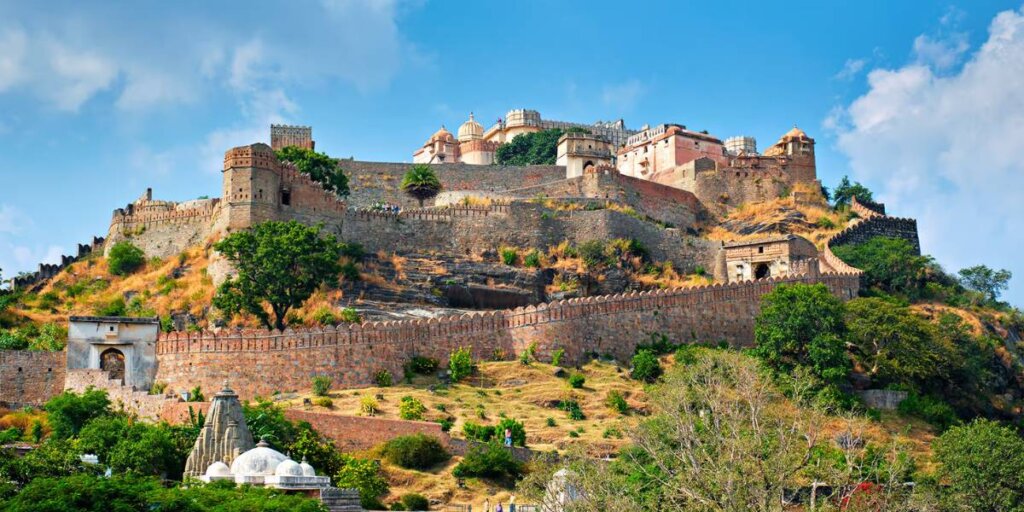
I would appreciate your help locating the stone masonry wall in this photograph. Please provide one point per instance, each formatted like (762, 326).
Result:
(357, 433)
(259, 363)
(29, 377)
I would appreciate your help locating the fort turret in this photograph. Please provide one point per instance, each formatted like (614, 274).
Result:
(252, 186)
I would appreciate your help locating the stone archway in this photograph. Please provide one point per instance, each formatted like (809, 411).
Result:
(588, 167)
(761, 271)
(112, 362)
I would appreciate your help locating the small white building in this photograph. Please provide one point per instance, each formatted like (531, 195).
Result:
(263, 466)
(123, 347)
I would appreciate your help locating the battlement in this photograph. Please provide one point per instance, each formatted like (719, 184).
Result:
(867, 209)
(873, 223)
(48, 270)
(254, 155)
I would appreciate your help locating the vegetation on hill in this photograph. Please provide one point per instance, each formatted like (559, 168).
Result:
(421, 183)
(845, 191)
(279, 265)
(536, 148)
(318, 166)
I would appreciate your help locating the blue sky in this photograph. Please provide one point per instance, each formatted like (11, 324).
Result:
(919, 100)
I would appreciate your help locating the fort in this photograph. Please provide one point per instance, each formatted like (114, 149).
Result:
(663, 215)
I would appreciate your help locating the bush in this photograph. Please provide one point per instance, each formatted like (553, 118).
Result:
(125, 258)
(983, 463)
(825, 223)
(325, 316)
(532, 259)
(931, 409)
(576, 380)
(11, 340)
(686, 355)
(116, 307)
(324, 402)
(646, 366)
(572, 407)
(368, 406)
(321, 385)
(446, 423)
(413, 501)
(410, 408)
(593, 253)
(68, 412)
(382, 378)
(615, 401)
(550, 422)
(517, 429)
(366, 476)
(351, 316)
(556, 357)
(460, 363)
(417, 451)
(423, 365)
(477, 432)
(509, 255)
(158, 388)
(489, 461)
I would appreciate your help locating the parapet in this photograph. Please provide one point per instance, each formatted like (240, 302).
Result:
(254, 155)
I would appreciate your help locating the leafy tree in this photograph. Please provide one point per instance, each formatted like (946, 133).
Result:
(366, 476)
(318, 451)
(421, 183)
(801, 325)
(646, 366)
(893, 345)
(460, 364)
(266, 420)
(990, 283)
(517, 428)
(54, 457)
(125, 258)
(68, 412)
(318, 166)
(845, 191)
(890, 265)
(538, 148)
(984, 464)
(279, 264)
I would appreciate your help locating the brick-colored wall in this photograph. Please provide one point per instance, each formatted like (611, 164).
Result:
(259, 363)
(29, 377)
(356, 433)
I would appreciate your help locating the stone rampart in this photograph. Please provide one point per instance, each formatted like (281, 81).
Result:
(29, 377)
(259, 363)
(48, 270)
(867, 209)
(863, 230)
(150, 407)
(358, 433)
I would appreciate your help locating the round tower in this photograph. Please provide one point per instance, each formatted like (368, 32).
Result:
(252, 186)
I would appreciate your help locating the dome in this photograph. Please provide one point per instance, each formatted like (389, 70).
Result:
(471, 130)
(795, 133)
(218, 469)
(307, 470)
(442, 134)
(288, 467)
(260, 461)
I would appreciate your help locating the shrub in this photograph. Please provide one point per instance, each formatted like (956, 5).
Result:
(576, 380)
(593, 253)
(68, 412)
(572, 407)
(825, 223)
(686, 354)
(369, 406)
(158, 388)
(196, 395)
(413, 501)
(532, 259)
(556, 356)
(573, 433)
(460, 363)
(550, 422)
(446, 423)
(321, 385)
(931, 409)
(646, 366)
(423, 365)
(366, 476)
(116, 307)
(12, 341)
(382, 378)
(351, 316)
(983, 463)
(350, 271)
(517, 429)
(325, 316)
(616, 402)
(417, 451)
(509, 255)
(410, 408)
(324, 402)
(489, 461)
(477, 432)
(125, 258)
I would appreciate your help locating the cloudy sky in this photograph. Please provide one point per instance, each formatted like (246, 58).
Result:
(921, 101)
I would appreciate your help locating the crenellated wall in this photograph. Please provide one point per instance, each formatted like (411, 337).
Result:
(260, 363)
(874, 224)
(48, 270)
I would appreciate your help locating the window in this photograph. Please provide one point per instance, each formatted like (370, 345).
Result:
(286, 197)
(760, 250)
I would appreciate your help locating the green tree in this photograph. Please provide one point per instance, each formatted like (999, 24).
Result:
(266, 420)
(538, 148)
(421, 183)
(366, 476)
(318, 166)
(68, 412)
(845, 191)
(986, 281)
(279, 265)
(984, 465)
(318, 451)
(646, 366)
(801, 325)
(125, 258)
(894, 345)
(890, 265)
(460, 364)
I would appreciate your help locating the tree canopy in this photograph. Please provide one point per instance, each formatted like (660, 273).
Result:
(986, 281)
(318, 166)
(890, 265)
(984, 465)
(421, 183)
(125, 258)
(279, 265)
(845, 191)
(536, 148)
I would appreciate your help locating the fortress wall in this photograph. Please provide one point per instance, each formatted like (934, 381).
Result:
(892, 227)
(379, 181)
(734, 187)
(358, 433)
(261, 362)
(29, 377)
(164, 232)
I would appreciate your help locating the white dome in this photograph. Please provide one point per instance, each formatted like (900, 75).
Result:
(260, 461)
(288, 467)
(307, 470)
(218, 469)
(471, 130)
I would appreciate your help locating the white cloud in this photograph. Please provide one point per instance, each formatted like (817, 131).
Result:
(76, 75)
(851, 68)
(943, 147)
(12, 221)
(623, 97)
(13, 46)
(940, 53)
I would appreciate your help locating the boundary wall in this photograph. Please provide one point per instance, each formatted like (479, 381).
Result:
(30, 377)
(260, 363)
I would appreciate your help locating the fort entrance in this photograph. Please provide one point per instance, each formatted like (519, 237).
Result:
(112, 362)
(762, 271)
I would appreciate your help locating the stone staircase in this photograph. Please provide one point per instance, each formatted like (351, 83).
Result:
(340, 500)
